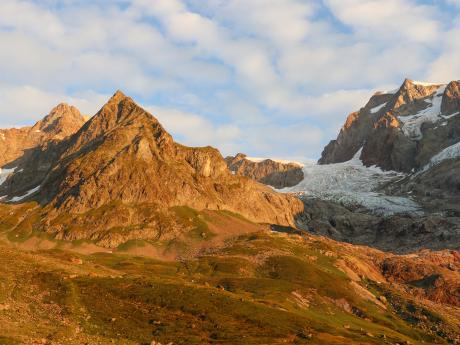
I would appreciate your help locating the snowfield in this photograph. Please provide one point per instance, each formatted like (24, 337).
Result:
(30, 192)
(4, 173)
(353, 185)
(450, 152)
(412, 124)
(378, 108)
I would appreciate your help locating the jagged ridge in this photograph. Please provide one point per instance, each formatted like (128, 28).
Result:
(402, 130)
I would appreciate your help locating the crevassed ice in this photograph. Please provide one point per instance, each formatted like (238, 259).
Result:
(352, 184)
(450, 152)
(412, 124)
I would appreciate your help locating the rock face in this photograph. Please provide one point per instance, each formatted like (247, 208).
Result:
(125, 168)
(400, 130)
(396, 233)
(451, 98)
(62, 121)
(269, 172)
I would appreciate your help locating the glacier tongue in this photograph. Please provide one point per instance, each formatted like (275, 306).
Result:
(352, 184)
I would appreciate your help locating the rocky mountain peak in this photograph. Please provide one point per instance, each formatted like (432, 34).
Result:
(411, 91)
(400, 130)
(63, 120)
(122, 120)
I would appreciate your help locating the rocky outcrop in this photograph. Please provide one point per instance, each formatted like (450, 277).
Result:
(267, 171)
(410, 93)
(62, 121)
(451, 98)
(400, 130)
(123, 166)
(397, 233)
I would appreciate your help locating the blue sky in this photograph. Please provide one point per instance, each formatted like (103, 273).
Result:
(266, 77)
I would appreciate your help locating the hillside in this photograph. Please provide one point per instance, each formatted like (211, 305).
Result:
(257, 288)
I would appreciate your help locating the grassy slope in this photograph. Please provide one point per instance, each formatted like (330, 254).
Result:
(257, 288)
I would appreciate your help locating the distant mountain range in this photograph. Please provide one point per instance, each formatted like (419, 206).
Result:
(110, 231)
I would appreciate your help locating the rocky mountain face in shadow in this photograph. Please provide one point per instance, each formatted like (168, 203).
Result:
(270, 172)
(123, 166)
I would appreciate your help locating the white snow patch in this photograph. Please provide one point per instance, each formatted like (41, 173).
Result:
(450, 152)
(352, 184)
(30, 192)
(391, 92)
(412, 124)
(282, 161)
(4, 173)
(378, 108)
(424, 83)
(447, 117)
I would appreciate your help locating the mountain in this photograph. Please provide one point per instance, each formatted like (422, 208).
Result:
(62, 121)
(400, 130)
(115, 233)
(267, 171)
(121, 174)
(390, 180)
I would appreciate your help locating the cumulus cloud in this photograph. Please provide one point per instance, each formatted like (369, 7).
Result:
(260, 76)
(24, 105)
(195, 130)
(389, 19)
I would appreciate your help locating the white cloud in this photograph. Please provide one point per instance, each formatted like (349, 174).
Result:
(389, 19)
(259, 76)
(447, 67)
(24, 105)
(454, 2)
(195, 130)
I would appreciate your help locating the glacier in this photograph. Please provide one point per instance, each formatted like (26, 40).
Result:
(353, 185)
